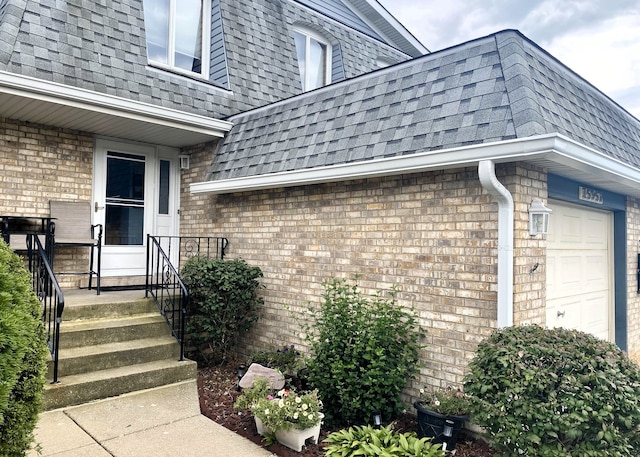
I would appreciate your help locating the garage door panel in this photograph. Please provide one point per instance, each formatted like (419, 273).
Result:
(576, 274)
(595, 316)
(596, 234)
(579, 284)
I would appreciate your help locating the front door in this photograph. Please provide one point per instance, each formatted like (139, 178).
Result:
(135, 194)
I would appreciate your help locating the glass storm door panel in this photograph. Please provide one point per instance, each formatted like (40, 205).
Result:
(124, 202)
(136, 191)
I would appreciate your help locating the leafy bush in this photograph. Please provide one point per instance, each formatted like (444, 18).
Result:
(555, 392)
(22, 355)
(287, 359)
(363, 353)
(447, 401)
(379, 442)
(223, 304)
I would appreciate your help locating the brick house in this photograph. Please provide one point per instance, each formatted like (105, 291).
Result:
(323, 140)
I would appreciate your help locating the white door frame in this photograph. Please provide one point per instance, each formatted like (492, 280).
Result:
(131, 260)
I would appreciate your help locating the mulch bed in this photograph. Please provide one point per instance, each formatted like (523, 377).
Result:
(218, 392)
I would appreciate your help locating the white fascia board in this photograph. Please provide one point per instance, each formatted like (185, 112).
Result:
(578, 156)
(37, 89)
(382, 12)
(551, 147)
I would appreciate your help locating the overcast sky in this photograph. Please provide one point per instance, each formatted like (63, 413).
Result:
(598, 39)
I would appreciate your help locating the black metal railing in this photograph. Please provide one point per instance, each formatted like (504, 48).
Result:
(48, 291)
(165, 257)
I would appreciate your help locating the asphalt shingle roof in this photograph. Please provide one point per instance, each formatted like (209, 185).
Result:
(495, 88)
(101, 46)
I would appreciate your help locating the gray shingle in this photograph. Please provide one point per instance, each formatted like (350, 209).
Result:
(473, 99)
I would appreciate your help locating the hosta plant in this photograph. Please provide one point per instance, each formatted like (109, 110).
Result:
(369, 441)
(555, 393)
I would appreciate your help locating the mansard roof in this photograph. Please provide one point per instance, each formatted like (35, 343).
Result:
(500, 89)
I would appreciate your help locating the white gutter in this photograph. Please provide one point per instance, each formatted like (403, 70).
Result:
(486, 173)
(414, 163)
(549, 149)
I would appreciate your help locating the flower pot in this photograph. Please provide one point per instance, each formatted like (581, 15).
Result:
(441, 428)
(262, 430)
(295, 438)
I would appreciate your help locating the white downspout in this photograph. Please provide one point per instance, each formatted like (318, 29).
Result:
(486, 172)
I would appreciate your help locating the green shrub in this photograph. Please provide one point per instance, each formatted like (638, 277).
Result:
(223, 304)
(287, 360)
(368, 441)
(22, 355)
(364, 350)
(555, 392)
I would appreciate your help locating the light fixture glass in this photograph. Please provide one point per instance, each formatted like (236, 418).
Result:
(538, 218)
(184, 161)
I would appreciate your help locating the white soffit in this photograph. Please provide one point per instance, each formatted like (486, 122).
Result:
(554, 152)
(43, 102)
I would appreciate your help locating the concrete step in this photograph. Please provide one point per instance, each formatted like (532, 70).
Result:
(83, 359)
(79, 333)
(104, 306)
(83, 388)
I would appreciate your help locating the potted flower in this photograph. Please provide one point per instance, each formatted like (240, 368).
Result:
(291, 417)
(442, 414)
(251, 398)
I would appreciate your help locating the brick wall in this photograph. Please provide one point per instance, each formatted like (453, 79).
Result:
(38, 164)
(432, 234)
(633, 298)
(526, 182)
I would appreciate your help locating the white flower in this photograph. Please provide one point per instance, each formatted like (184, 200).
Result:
(298, 399)
(266, 412)
(436, 402)
(295, 415)
(305, 406)
(281, 403)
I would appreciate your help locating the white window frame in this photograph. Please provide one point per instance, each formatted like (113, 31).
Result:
(312, 35)
(206, 42)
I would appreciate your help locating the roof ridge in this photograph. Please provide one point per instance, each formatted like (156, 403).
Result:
(519, 84)
(9, 26)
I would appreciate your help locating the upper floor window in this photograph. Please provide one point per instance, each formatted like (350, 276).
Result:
(314, 59)
(178, 33)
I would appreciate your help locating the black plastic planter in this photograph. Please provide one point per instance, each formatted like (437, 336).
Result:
(442, 429)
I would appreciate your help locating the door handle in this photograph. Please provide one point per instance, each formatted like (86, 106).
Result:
(97, 208)
(560, 313)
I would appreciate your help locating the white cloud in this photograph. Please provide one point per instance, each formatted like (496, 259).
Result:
(598, 39)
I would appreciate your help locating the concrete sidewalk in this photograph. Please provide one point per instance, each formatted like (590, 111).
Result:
(160, 422)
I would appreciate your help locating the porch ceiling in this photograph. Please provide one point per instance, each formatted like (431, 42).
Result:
(47, 103)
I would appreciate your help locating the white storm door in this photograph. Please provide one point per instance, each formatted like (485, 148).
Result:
(580, 269)
(168, 196)
(124, 204)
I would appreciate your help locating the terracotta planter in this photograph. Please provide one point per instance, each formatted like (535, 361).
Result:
(441, 428)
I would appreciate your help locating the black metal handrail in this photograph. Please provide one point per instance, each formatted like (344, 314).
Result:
(48, 291)
(163, 278)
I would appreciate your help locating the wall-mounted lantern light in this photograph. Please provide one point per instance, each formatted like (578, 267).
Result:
(184, 161)
(538, 218)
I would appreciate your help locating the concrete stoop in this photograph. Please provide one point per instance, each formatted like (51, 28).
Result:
(110, 345)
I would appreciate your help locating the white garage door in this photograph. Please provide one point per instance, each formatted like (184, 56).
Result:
(580, 269)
